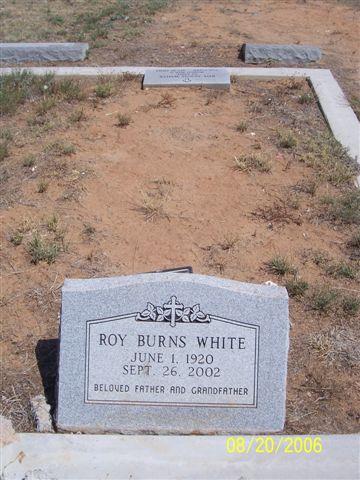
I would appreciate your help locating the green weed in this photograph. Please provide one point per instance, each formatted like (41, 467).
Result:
(41, 250)
(286, 139)
(280, 265)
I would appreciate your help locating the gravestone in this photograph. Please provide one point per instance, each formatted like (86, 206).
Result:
(43, 52)
(172, 353)
(256, 53)
(187, 77)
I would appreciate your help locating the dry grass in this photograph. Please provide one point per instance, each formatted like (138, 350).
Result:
(104, 87)
(212, 96)
(288, 85)
(341, 269)
(336, 346)
(351, 305)
(287, 139)
(229, 242)
(43, 185)
(323, 299)
(241, 126)
(296, 287)
(217, 255)
(16, 391)
(167, 101)
(153, 201)
(306, 98)
(89, 230)
(29, 160)
(280, 265)
(70, 89)
(18, 87)
(151, 207)
(123, 120)
(280, 212)
(80, 21)
(344, 208)
(353, 245)
(307, 185)
(59, 148)
(4, 151)
(329, 159)
(77, 116)
(42, 241)
(251, 162)
(42, 250)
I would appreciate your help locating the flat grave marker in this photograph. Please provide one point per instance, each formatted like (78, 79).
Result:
(187, 77)
(172, 353)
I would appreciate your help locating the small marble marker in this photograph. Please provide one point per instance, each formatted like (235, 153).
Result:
(187, 77)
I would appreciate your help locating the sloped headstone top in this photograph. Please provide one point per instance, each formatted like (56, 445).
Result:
(187, 77)
(172, 353)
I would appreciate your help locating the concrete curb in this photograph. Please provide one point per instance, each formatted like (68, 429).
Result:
(89, 457)
(334, 105)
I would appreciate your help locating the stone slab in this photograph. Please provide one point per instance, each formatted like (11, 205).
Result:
(42, 52)
(38, 456)
(218, 78)
(258, 53)
(213, 355)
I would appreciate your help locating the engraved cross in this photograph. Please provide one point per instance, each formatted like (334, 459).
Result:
(173, 307)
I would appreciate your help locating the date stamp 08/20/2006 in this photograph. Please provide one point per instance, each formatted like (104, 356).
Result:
(274, 444)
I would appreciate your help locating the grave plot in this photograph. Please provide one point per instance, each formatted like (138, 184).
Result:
(102, 178)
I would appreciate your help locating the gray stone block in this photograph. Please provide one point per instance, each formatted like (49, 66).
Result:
(41, 413)
(256, 53)
(42, 52)
(168, 353)
(187, 77)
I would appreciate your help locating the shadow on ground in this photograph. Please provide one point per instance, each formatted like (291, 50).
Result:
(47, 359)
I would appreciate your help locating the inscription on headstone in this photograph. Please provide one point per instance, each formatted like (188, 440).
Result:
(187, 77)
(170, 353)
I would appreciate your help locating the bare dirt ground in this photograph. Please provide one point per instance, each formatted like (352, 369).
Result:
(108, 179)
(192, 33)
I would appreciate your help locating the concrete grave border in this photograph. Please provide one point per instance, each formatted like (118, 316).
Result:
(333, 103)
(52, 456)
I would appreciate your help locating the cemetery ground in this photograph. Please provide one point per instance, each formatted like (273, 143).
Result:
(101, 178)
(192, 32)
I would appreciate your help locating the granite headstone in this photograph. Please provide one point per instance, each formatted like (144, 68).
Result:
(43, 52)
(261, 53)
(172, 353)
